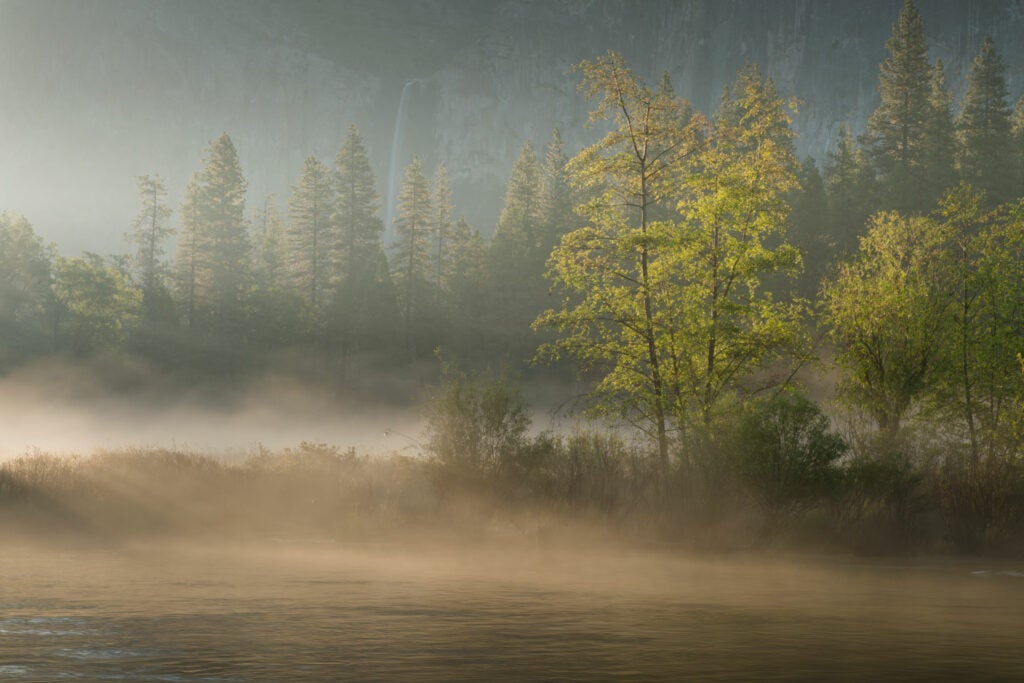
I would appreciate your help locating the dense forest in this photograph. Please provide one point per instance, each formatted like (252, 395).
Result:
(686, 270)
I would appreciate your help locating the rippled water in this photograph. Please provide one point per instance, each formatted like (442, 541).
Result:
(300, 613)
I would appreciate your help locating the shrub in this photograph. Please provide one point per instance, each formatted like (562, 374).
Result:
(981, 501)
(879, 503)
(785, 454)
(476, 428)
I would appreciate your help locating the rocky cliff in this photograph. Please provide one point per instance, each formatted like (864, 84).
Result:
(99, 91)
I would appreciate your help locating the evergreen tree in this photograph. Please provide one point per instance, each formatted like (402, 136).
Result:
(517, 234)
(557, 199)
(364, 298)
(213, 248)
(465, 308)
(940, 138)
(809, 220)
(150, 229)
(516, 258)
(190, 261)
(412, 260)
(984, 128)
(311, 235)
(357, 207)
(269, 245)
(468, 250)
(850, 189)
(897, 129)
(280, 315)
(442, 229)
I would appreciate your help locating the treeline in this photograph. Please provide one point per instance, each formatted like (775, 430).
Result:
(312, 283)
(666, 262)
(310, 287)
(684, 292)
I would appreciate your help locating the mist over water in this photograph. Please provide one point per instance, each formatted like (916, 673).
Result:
(58, 409)
(292, 612)
(295, 444)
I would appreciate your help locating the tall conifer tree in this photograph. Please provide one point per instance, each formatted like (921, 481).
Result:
(984, 128)
(850, 186)
(150, 230)
(411, 262)
(269, 245)
(364, 297)
(442, 227)
(557, 197)
(213, 247)
(311, 237)
(940, 138)
(897, 129)
(515, 259)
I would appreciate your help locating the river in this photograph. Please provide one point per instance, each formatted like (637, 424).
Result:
(288, 611)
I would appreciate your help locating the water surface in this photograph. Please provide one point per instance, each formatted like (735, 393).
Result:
(315, 612)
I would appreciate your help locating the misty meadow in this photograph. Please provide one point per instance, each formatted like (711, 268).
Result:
(361, 408)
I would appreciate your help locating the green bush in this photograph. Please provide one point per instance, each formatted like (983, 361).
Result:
(476, 429)
(880, 503)
(785, 453)
(981, 501)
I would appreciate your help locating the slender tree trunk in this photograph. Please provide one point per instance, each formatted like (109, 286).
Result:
(652, 351)
(965, 363)
(713, 336)
(409, 289)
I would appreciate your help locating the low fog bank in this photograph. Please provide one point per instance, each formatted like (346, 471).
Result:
(301, 611)
(70, 408)
(96, 455)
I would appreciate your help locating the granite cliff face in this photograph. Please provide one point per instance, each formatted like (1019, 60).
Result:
(99, 91)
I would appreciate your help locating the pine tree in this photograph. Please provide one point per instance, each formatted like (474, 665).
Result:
(557, 197)
(465, 307)
(311, 236)
(364, 299)
(985, 155)
(850, 188)
(515, 259)
(150, 229)
(280, 317)
(190, 261)
(213, 248)
(269, 245)
(468, 250)
(940, 137)
(357, 207)
(518, 229)
(411, 262)
(896, 132)
(443, 208)
(809, 220)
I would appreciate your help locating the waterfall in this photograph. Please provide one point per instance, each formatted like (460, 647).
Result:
(393, 170)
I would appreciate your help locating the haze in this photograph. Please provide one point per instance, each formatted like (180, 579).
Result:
(99, 92)
(629, 339)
